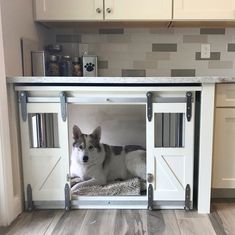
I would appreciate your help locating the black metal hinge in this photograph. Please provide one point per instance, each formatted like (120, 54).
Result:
(189, 96)
(149, 105)
(63, 106)
(29, 198)
(67, 197)
(150, 197)
(187, 205)
(23, 98)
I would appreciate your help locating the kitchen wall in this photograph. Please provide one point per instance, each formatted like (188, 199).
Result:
(17, 22)
(153, 51)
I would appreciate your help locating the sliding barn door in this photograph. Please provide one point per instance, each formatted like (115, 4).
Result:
(170, 151)
(45, 157)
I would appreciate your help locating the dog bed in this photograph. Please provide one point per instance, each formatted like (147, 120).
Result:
(130, 187)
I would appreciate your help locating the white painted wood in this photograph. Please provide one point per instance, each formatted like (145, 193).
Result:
(10, 203)
(225, 95)
(205, 147)
(80, 10)
(72, 10)
(224, 148)
(172, 168)
(138, 10)
(204, 10)
(45, 169)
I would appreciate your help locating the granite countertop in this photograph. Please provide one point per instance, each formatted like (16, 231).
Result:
(119, 80)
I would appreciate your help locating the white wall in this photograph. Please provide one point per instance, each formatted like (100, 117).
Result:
(17, 20)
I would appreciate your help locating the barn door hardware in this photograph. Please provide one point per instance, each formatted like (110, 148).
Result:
(29, 198)
(67, 197)
(150, 197)
(187, 206)
(63, 105)
(23, 102)
(189, 105)
(149, 105)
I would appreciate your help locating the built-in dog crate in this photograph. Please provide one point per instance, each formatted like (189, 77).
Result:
(159, 118)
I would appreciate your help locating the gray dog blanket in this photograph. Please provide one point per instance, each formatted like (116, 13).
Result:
(130, 187)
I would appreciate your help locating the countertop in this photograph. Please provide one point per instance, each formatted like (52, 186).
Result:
(119, 80)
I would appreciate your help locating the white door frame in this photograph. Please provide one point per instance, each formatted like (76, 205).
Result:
(10, 204)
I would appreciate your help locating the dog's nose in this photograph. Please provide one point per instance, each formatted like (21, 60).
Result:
(85, 158)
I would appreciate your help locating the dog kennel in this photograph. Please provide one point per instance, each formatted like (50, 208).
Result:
(159, 118)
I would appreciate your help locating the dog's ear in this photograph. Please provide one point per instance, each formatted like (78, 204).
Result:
(97, 133)
(76, 132)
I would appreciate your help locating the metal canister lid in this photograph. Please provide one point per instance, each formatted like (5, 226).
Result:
(66, 57)
(53, 58)
(76, 59)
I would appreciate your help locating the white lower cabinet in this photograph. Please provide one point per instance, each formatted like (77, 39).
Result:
(224, 149)
(44, 138)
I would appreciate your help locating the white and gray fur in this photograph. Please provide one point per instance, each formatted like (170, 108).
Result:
(96, 163)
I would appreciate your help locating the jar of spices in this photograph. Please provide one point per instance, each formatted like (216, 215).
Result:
(76, 67)
(53, 68)
(66, 66)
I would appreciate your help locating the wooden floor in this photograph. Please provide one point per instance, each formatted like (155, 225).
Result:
(125, 222)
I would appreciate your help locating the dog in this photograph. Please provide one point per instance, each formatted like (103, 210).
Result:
(96, 163)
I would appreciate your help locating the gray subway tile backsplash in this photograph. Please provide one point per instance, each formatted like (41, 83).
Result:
(212, 31)
(172, 47)
(183, 72)
(111, 31)
(103, 64)
(68, 38)
(133, 73)
(213, 56)
(231, 47)
(155, 51)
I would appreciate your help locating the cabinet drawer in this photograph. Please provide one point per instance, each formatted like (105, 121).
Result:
(225, 95)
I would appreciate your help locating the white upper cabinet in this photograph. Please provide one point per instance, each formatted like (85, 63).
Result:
(72, 10)
(88, 10)
(138, 10)
(204, 10)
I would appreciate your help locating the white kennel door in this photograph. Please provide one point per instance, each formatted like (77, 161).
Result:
(171, 150)
(45, 165)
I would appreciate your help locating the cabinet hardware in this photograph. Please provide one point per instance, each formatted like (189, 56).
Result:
(108, 10)
(189, 105)
(98, 10)
(23, 102)
(63, 106)
(29, 198)
(187, 205)
(149, 105)
(150, 197)
(150, 178)
(67, 197)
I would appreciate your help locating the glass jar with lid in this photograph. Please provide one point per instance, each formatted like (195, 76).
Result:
(53, 68)
(66, 66)
(76, 67)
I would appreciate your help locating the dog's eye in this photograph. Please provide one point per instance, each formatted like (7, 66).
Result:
(80, 146)
(90, 147)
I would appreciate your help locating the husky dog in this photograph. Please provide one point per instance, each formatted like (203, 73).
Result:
(96, 163)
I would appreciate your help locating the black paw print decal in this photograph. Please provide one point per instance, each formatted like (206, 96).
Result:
(89, 67)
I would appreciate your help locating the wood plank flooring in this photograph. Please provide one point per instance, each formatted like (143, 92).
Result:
(125, 222)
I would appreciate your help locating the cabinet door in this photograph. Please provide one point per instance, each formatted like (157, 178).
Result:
(204, 10)
(170, 151)
(224, 149)
(44, 138)
(72, 10)
(138, 10)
